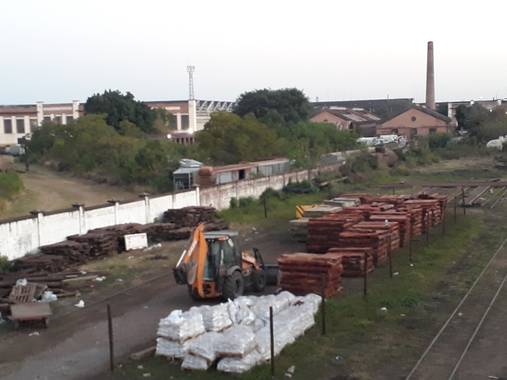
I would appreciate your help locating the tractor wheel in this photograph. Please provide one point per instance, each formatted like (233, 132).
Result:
(234, 286)
(259, 281)
(193, 294)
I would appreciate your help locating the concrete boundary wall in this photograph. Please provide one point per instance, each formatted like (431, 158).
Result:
(23, 235)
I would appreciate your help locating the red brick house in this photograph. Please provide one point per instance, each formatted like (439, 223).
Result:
(416, 121)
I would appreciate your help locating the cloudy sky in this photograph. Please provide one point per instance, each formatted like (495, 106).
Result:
(59, 50)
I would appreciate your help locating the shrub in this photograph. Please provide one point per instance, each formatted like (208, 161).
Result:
(10, 184)
(5, 265)
(304, 187)
(233, 203)
(245, 202)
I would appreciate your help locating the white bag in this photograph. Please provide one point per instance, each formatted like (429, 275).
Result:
(239, 365)
(237, 341)
(171, 348)
(179, 326)
(194, 362)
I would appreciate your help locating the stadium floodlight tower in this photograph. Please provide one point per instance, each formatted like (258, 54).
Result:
(190, 70)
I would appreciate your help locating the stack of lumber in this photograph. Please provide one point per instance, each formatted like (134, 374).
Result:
(442, 199)
(72, 251)
(393, 228)
(432, 213)
(119, 231)
(40, 262)
(416, 218)
(323, 232)
(369, 208)
(101, 243)
(320, 210)
(377, 240)
(403, 220)
(303, 273)
(190, 216)
(343, 201)
(353, 260)
(158, 232)
(299, 229)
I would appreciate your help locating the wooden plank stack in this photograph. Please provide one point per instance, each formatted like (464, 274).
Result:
(377, 240)
(403, 220)
(323, 232)
(299, 229)
(303, 273)
(353, 260)
(101, 243)
(40, 263)
(392, 228)
(190, 216)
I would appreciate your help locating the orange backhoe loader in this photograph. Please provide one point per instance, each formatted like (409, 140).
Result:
(213, 266)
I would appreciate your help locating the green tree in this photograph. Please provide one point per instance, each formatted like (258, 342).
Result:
(227, 138)
(118, 107)
(274, 107)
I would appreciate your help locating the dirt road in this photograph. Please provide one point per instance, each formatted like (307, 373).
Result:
(48, 190)
(76, 346)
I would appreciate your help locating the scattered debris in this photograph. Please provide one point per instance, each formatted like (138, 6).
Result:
(80, 304)
(383, 309)
(143, 354)
(34, 333)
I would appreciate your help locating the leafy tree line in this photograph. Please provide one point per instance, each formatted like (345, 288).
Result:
(481, 124)
(118, 140)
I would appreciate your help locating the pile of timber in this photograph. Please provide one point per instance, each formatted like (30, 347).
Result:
(416, 218)
(366, 210)
(353, 260)
(303, 273)
(432, 213)
(298, 228)
(190, 216)
(392, 228)
(323, 232)
(320, 210)
(377, 240)
(402, 218)
(41, 263)
(117, 232)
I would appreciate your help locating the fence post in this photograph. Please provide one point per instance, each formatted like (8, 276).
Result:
(455, 208)
(365, 275)
(390, 257)
(323, 305)
(111, 343)
(272, 341)
(463, 200)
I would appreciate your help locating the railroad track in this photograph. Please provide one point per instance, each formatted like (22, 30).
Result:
(444, 356)
(500, 197)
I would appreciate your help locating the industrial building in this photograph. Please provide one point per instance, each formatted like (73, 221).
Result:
(358, 119)
(17, 121)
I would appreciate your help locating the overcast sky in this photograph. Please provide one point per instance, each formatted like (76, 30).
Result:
(59, 50)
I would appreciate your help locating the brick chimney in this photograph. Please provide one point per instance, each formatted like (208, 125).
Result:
(430, 78)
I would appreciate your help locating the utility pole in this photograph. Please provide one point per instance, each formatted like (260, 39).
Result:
(190, 70)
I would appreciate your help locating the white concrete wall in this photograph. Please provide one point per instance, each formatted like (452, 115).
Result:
(21, 236)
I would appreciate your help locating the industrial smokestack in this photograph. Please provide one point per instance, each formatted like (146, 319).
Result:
(430, 78)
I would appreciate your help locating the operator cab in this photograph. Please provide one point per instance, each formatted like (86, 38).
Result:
(222, 252)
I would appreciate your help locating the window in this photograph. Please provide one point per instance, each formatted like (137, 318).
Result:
(413, 118)
(58, 119)
(70, 119)
(7, 126)
(433, 131)
(20, 125)
(47, 119)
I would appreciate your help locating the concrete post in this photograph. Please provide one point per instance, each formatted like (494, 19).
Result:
(81, 218)
(192, 116)
(147, 210)
(430, 78)
(40, 220)
(116, 207)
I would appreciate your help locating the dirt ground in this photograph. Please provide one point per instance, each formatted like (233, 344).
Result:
(75, 346)
(49, 190)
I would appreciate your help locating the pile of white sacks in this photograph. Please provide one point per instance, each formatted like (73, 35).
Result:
(235, 333)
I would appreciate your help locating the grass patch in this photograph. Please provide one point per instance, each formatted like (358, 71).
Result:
(361, 338)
